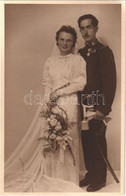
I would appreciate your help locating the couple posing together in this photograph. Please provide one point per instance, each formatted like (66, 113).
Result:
(47, 159)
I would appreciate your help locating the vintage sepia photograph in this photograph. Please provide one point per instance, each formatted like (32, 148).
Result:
(63, 97)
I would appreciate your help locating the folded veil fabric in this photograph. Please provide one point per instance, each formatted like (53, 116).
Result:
(14, 167)
(24, 170)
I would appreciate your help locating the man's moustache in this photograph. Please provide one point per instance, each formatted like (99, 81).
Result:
(86, 35)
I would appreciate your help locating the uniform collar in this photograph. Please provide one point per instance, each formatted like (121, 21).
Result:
(91, 44)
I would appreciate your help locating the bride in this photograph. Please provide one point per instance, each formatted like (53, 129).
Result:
(47, 159)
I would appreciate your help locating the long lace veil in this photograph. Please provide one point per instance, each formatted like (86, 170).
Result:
(21, 158)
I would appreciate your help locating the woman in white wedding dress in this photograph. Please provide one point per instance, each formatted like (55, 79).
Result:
(33, 167)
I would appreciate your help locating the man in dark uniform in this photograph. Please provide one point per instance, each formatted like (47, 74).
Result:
(101, 83)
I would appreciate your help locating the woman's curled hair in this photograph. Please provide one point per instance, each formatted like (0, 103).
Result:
(67, 29)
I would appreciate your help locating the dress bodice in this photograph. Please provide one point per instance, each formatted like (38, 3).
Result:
(63, 69)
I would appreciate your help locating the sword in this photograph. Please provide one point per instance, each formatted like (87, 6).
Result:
(97, 134)
(108, 165)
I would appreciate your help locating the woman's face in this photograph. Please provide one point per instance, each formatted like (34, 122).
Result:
(65, 43)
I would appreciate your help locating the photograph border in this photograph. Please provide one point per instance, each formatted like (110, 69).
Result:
(123, 88)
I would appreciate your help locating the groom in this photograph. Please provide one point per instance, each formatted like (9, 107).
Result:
(101, 78)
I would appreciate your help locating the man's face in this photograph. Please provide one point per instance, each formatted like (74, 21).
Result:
(65, 43)
(88, 31)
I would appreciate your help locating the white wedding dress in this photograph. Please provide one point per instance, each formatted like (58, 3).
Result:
(27, 170)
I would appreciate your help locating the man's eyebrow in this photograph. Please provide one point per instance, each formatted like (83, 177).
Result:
(86, 26)
(66, 39)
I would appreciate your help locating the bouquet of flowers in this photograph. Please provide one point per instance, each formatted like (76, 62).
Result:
(58, 131)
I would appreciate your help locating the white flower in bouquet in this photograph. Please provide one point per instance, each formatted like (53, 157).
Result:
(53, 122)
(64, 132)
(48, 119)
(59, 138)
(55, 110)
(58, 126)
(68, 132)
(52, 116)
(52, 136)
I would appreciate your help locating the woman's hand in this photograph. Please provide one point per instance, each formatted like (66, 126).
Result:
(54, 96)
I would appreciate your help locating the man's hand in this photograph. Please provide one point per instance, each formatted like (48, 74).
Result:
(99, 115)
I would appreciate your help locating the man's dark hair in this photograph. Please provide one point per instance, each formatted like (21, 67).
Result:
(67, 29)
(88, 16)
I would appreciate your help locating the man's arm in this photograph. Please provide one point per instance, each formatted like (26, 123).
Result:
(108, 78)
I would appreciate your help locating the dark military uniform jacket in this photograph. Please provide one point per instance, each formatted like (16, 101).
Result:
(101, 75)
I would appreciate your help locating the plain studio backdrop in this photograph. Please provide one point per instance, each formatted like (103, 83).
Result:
(29, 40)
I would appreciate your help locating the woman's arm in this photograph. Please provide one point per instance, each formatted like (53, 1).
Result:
(78, 80)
